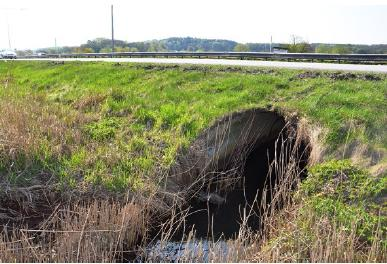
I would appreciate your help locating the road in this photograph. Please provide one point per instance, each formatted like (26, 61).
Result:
(270, 64)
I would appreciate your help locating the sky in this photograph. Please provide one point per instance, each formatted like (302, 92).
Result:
(37, 23)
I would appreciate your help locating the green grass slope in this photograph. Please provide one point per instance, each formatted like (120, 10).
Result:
(117, 125)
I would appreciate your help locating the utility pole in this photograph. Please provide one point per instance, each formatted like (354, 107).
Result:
(271, 43)
(56, 49)
(9, 34)
(112, 30)
(7, 19)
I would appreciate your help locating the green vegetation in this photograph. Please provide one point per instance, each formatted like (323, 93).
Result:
(345, 192)
(241, 47)
(119, 125)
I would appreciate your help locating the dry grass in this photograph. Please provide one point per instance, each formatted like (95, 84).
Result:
(100, 231)
(97, 232)
(27, 127)
(316, 239)
(89, 102)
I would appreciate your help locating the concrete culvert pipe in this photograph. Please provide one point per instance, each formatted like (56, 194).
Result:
(227, 167)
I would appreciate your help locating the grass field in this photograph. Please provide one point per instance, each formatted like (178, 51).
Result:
(115, 128)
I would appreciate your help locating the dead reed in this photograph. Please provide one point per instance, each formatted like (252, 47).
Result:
(101, 231)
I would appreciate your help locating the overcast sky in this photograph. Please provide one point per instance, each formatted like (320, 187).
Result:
(36, 23)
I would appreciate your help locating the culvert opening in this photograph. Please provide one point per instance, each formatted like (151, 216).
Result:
(223, 175)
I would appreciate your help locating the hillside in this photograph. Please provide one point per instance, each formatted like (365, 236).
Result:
(110, 132)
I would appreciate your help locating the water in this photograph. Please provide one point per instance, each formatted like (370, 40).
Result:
(191, 251)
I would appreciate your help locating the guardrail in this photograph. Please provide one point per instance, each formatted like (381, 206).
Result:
(228, 55)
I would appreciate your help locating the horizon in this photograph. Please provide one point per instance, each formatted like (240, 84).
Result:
(34, 25)
(149, 40)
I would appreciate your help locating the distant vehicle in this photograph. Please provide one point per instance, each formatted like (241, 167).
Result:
(280, 50)
(41, 54)
(8, 54)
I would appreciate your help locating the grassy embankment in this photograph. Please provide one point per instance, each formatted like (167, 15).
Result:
(113, 128)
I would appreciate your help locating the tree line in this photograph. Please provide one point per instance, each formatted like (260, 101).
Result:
(296, 44)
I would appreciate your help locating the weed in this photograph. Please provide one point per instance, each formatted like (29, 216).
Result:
(103, 130)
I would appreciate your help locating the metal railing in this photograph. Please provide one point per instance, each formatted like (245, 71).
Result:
(377, 58)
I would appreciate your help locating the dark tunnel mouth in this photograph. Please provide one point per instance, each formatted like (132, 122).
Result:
(222, 220)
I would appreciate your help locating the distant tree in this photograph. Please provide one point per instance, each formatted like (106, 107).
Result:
(191, 48)
(298, 45)
(122, 49)
(260, 47)
(341, 49)
(101, 43)
(87, 50)
(97, 44)
(105, 50)
(138, 46)
(155, 46)
(338, 49)
(241, 47)
(83, 50)
(323, 48)
(194, 44)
